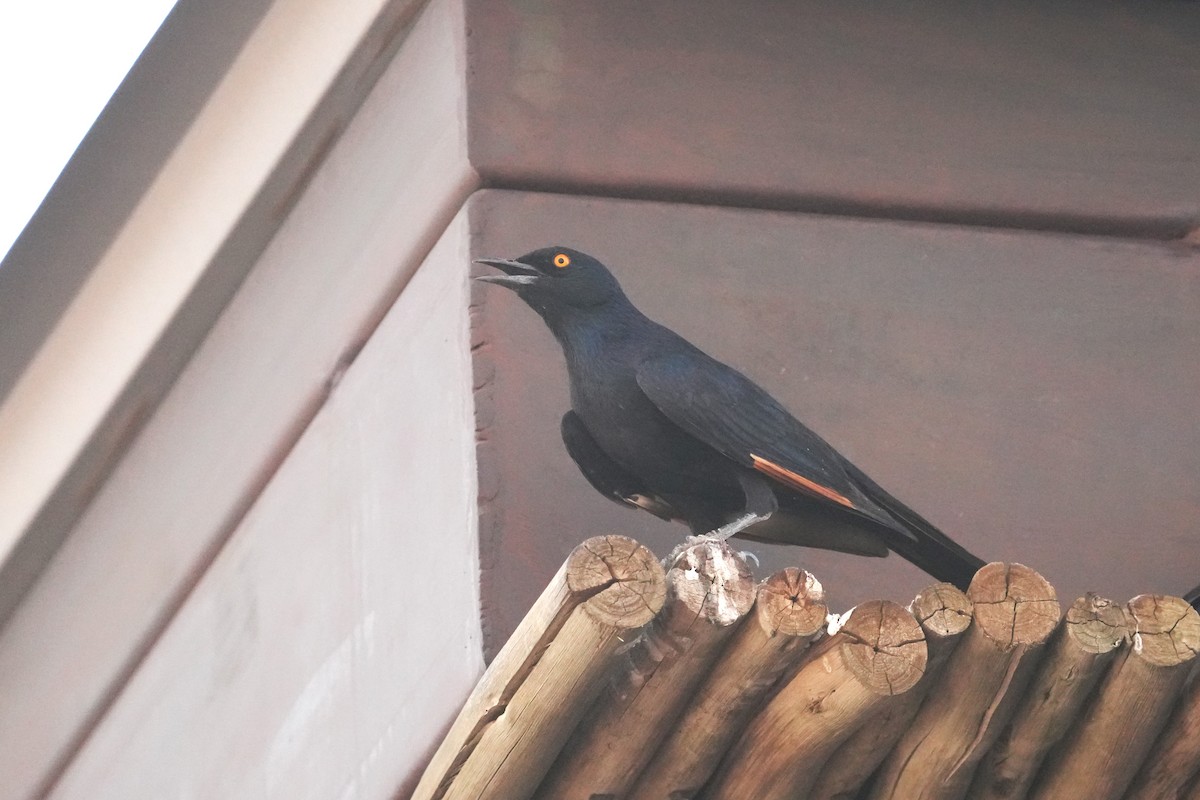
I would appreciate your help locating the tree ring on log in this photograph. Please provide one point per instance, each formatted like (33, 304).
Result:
(618, 581)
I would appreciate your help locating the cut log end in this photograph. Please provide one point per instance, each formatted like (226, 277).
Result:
(1166, 630)
(620, 582)
(791, 602)
(1014, 605)
(713, 582)
(884, 647)
(1096, 624)
(943, 610)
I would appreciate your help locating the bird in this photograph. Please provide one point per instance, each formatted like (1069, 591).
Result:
(659, 425)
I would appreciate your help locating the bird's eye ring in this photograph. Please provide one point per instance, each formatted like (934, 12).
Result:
(562, 261)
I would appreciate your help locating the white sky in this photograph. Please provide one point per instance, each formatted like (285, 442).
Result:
(60, 61)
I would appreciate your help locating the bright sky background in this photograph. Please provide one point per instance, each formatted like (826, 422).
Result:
(60, 61)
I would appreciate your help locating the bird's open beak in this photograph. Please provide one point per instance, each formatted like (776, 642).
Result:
(515, 274)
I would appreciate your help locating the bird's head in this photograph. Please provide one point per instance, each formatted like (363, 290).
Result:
(555, 279)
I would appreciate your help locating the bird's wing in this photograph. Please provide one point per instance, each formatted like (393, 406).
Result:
(607, 476)
(730, 413)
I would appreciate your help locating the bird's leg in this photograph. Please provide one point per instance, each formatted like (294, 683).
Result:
(733, 528)
(760, 505)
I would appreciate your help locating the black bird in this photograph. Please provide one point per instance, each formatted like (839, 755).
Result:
(657, 424)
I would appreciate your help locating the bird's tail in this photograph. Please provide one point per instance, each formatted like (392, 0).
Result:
(923, 544)
(1193, 597)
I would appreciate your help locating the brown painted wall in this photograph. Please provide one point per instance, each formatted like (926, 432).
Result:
(1076, 113)
(1033, 393)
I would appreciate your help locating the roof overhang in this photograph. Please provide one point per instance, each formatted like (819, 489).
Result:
(166, 205)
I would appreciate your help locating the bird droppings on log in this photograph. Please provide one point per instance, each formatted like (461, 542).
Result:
(623, 682)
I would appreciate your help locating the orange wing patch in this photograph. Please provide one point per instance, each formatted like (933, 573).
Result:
(797, 481)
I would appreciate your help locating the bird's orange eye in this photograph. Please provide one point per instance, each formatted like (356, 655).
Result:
(562, 260)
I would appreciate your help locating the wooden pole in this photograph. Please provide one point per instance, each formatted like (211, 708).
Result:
(878, 652)
(709, 589)
(944, 613)
(1174, 761)
(512, 726)
(1100, 756)
(1074, 662)
(1015, 612)
(789, 612)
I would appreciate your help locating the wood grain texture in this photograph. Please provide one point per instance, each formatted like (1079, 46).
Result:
(709, 590)
(1104, 749)
(789, 612)
(1014, 605)
(877, 652)
(533, 695)
(1082, 649)
(1065, 113)
(373, 209)
(944, 614)
(289, 671)
(977, 691)
(1174, 761)
(1030, 394)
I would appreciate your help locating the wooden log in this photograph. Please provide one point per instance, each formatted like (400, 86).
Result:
(1075, 659)
(1015, 612)
(709, 589)
(1102, 753)
(1174, 761)
(944, 613)
(789, 612)
(878, 652)
(1193, 791)
(541, 683)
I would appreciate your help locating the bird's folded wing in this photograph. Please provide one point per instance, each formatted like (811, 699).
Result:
(730, 413)
(607, 476)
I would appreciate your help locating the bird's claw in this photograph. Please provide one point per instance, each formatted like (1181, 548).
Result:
(691, 541)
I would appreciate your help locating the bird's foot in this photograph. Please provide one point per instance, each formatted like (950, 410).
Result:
(733, 528)
(687, 542)
(719, 535)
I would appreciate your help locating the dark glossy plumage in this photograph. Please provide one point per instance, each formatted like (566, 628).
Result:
(659, 425)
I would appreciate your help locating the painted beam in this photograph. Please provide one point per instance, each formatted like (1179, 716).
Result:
(370, 213)
(177, 258)
(1065, 116)
(337, 632)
